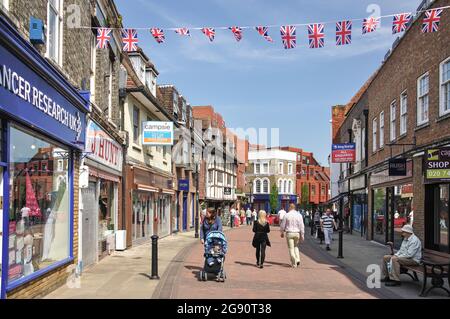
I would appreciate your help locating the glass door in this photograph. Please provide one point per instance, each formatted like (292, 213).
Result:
(441, 217)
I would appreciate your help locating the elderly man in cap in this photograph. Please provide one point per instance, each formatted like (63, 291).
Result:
(410, 254)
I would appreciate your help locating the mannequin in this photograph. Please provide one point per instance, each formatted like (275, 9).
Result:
(49, 233)
(28, 268)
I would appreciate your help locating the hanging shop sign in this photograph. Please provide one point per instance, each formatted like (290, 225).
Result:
(102, 148)
(157, 133)
(29, 97)
(343, 153)
(227, 191)
(438, 164)
(183, 185)
(397, 167)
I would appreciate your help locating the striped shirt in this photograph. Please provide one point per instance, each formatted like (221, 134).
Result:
(327, 221)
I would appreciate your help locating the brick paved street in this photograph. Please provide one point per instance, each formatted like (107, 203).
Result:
(318, 276)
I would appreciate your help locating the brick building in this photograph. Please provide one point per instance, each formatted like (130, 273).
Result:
(311, 178)
(407, 107)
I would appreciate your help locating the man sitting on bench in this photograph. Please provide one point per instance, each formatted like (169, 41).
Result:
(410, 254)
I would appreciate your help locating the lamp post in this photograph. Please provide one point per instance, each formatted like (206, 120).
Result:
(197, 213)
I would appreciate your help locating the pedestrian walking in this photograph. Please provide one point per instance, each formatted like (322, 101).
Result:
(293, 228)
(248, 214)
(254, 215)
(315, 222)
(281, 214)
(212, 222)
(261, 228)
(242, 213)
(232, 216)
(327, 225)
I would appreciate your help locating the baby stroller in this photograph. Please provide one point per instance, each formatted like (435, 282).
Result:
(215, 251)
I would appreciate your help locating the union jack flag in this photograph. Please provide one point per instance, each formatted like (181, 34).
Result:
(370, 25)
(103, 37)
(316, 35)
(237, 32)
(129, 40)
(158, 34)
(183, 31)
(264, 31)
(288, 36)
(431, 21)
(343, 33)
(401, 22)
(210, 33)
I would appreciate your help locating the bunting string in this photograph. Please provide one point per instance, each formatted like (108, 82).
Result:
(316, 31)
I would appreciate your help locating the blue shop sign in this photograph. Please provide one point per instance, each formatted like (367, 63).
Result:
(29, 98)
(183, 185)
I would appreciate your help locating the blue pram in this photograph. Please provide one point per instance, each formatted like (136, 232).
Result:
(215, 250)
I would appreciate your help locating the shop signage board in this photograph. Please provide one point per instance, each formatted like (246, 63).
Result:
(397, 167)
(343, 153)
(29, 97)
(157, 133)
(102, 148)
(227, 191)
(183, 185)
(438, 164)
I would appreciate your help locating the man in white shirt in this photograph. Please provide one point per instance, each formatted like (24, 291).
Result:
(281, 215)
(410, 254)
(293, 228)
(248, 215)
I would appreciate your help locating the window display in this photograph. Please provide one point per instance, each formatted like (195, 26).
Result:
(403, 210)
(442, 217)
(379, 215)
(39, 214)
(142, 215)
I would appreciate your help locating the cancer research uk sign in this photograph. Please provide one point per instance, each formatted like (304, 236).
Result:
(30, 98)
(438, 164)
(343, 153)
(157, 133)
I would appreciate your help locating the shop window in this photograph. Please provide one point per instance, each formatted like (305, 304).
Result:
(445, 87)
(441, 217)
(39, 220)
(402, 211)
(423, 99)
(379, 215)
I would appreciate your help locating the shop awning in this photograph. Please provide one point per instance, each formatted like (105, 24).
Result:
(103, 175)
(168, 191)
(147, 188)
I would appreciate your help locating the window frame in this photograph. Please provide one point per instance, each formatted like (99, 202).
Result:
(281, 168)
(374, 134)
(419, 100)
(393, 121)
(442, 100)
(136, 125)
(404, 112)
(381, 132)
(59, 32)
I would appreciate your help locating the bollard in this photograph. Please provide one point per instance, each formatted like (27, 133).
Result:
(154, 257)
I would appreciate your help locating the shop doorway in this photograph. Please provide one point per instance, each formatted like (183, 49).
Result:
(90, 220)
(185, 211)
(437, 213)
(1, 228)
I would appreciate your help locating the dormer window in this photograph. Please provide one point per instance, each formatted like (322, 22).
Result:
(175, 102)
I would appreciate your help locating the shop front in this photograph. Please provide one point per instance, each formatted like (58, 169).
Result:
(392, 205)
(359, 211)
(100, 182)
(149, 208)
(262, 202)
(437, 200)
(43, 122)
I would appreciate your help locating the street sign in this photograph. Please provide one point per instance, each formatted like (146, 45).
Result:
(438, 164)
(343, 153)
(183, 185)
(227, 190)
(157, 133)
(397, 167)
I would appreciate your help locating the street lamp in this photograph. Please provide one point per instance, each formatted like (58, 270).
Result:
(197, 173)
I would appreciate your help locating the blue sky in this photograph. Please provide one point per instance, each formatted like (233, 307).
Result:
(256, 84)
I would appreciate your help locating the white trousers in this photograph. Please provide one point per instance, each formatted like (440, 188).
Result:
(328, 232)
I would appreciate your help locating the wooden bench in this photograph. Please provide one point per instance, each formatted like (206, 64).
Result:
(434, 265)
